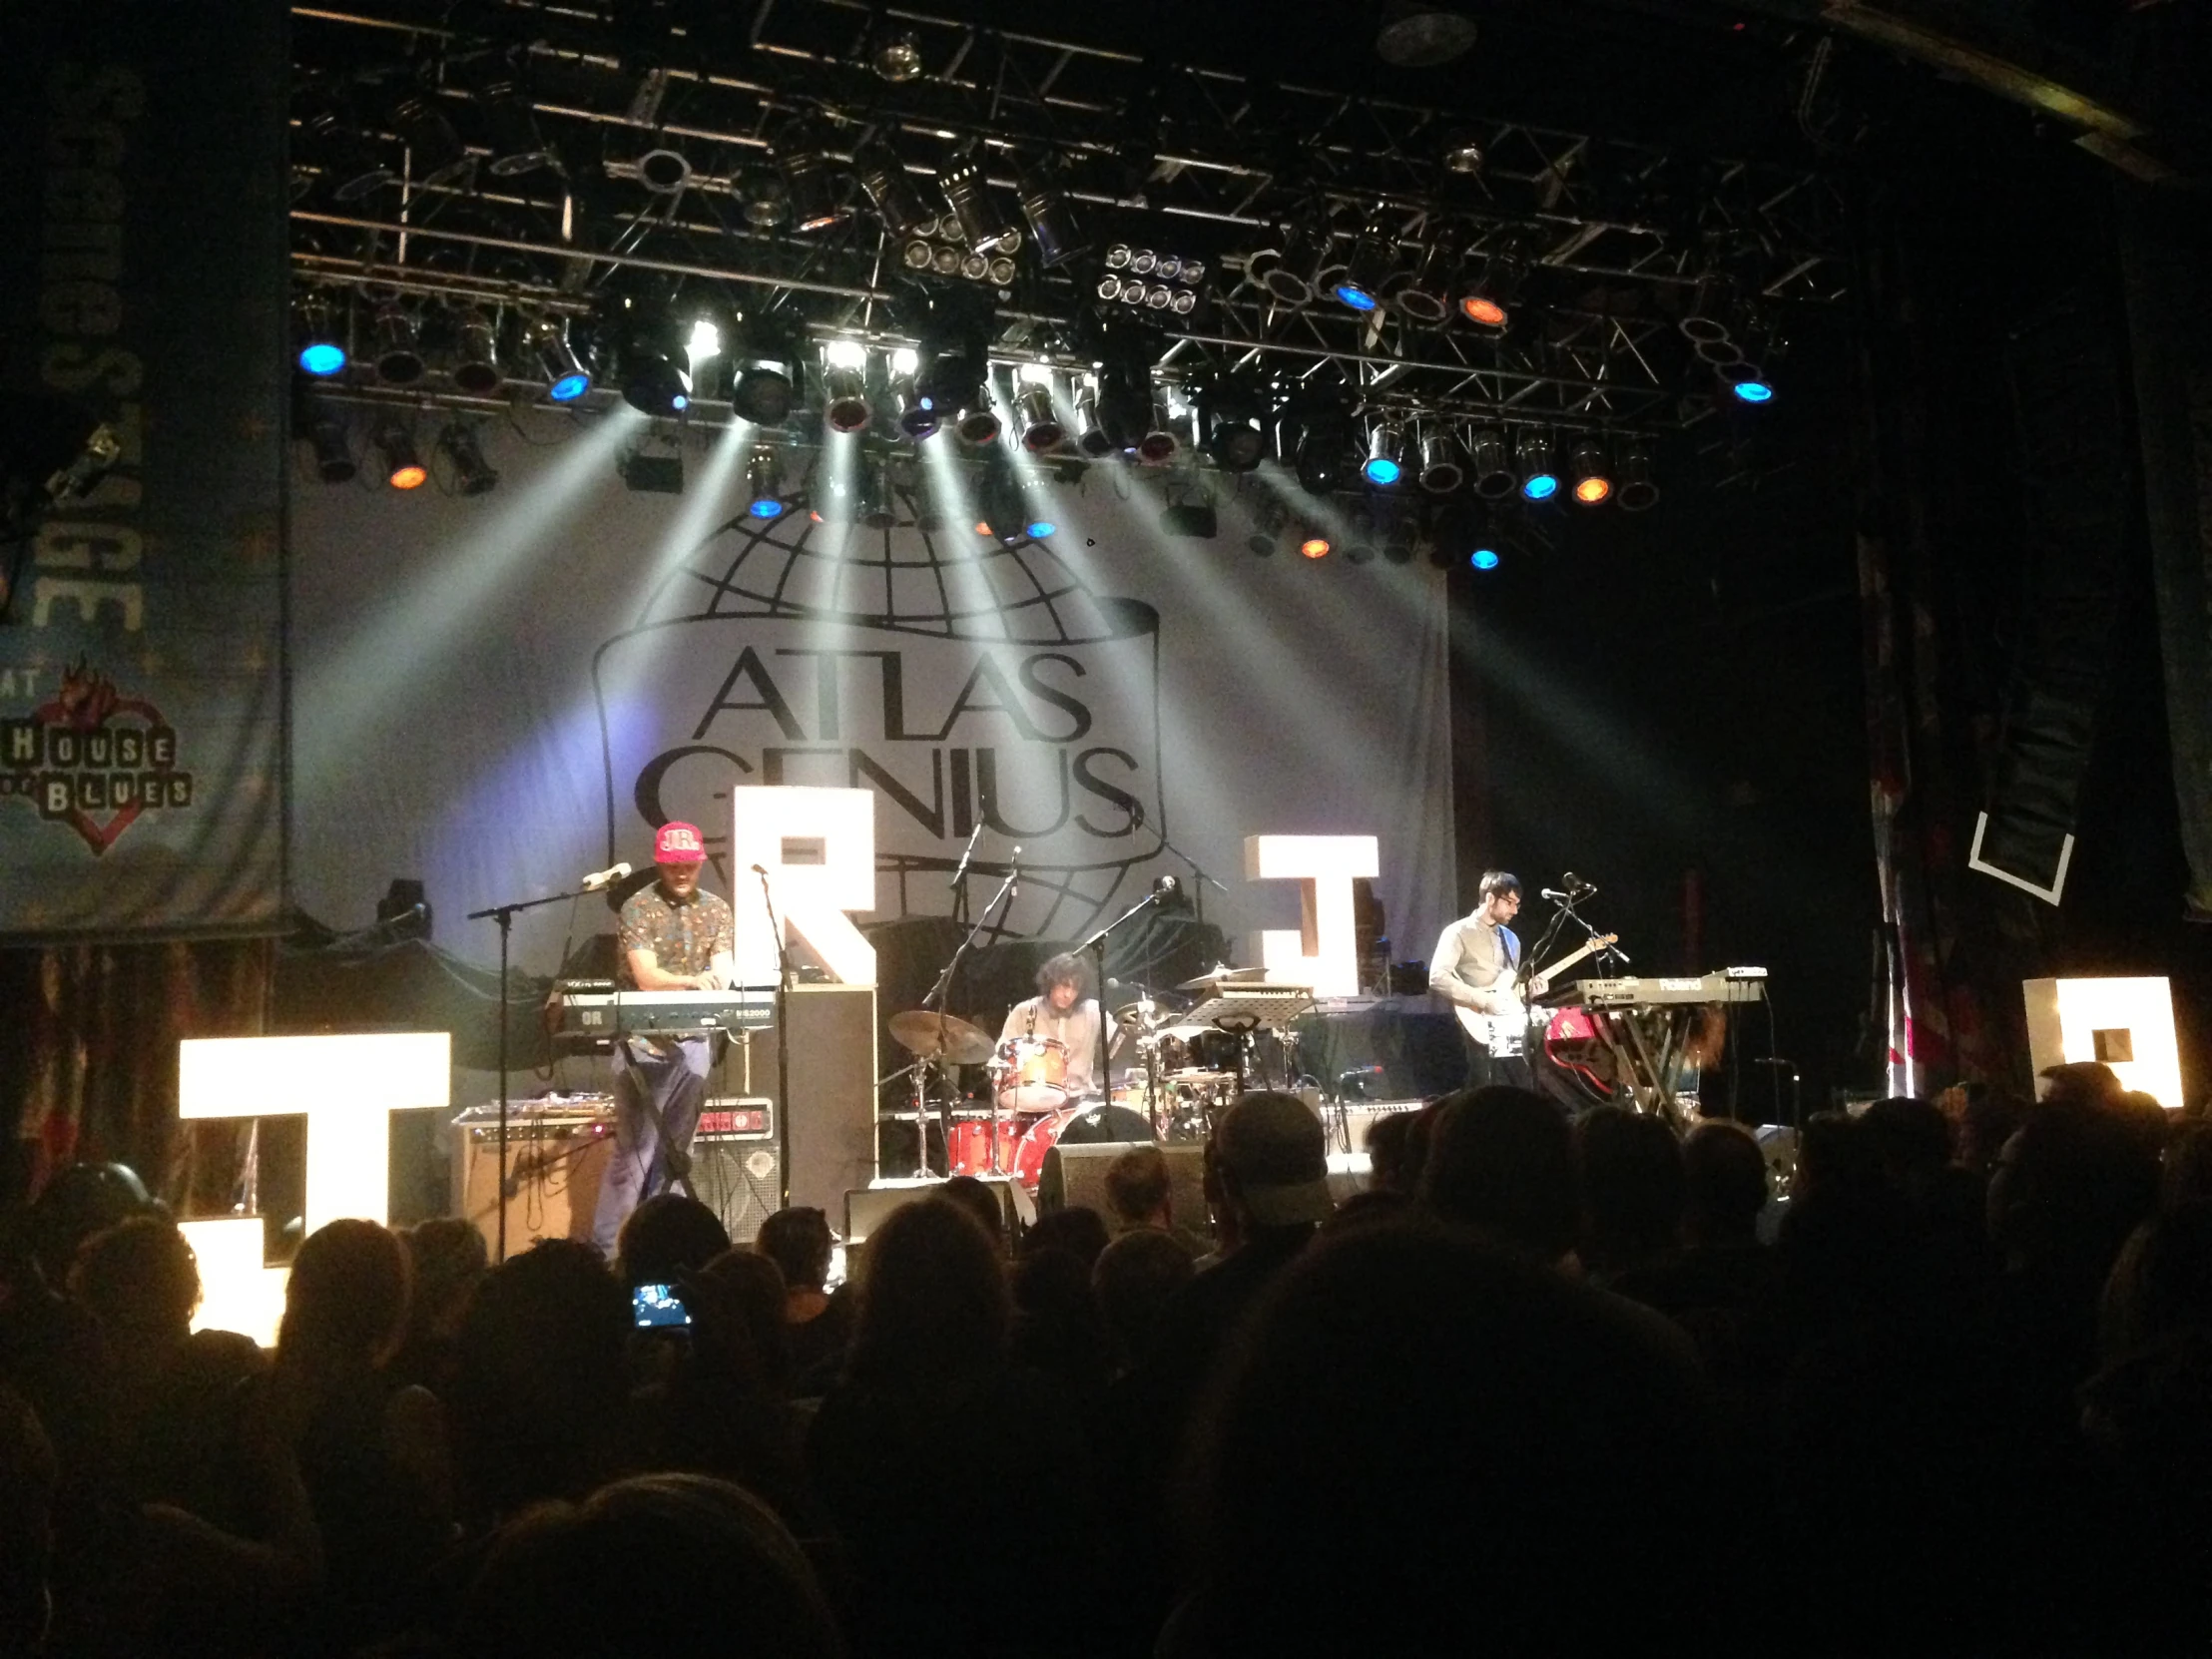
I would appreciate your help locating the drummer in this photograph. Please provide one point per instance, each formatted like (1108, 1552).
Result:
(1060, 1012)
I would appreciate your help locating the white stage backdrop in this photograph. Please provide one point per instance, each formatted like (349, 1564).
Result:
(496, 694)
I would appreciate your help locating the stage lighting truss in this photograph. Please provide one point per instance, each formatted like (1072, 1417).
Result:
(1272, 187)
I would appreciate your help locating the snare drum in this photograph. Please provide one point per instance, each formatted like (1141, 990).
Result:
(1035, 1074)
(968, 1149)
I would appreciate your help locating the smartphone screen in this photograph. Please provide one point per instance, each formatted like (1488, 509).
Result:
(654, 1306)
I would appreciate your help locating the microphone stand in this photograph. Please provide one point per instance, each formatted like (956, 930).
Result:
(1096, 946)
(1198, 895)
(936, 999)
(960, 875)
(505, 914)
(783, 1048)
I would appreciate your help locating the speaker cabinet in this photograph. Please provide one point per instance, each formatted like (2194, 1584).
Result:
(738, 1179)
(832, 1080)
(553, 1176)
(1075, 1178)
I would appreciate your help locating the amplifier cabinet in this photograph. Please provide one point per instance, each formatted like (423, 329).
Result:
(832, 1079)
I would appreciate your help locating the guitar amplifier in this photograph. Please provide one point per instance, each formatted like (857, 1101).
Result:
(739, 1178)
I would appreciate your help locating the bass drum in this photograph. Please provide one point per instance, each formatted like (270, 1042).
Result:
(1088, 1125)
(1579, 1065)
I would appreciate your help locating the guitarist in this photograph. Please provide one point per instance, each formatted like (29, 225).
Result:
(1476, 961)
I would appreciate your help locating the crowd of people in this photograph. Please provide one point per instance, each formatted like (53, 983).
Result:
(1542, 1386)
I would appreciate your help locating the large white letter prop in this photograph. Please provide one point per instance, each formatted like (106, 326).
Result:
(1324, 952)
(347, 1089)
(819, 848)
(2126, 1023)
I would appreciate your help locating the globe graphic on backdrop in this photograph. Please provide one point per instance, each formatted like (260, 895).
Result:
(939, 596)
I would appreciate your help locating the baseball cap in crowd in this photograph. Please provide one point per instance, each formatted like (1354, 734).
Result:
(1272, 1145)
(679, 843)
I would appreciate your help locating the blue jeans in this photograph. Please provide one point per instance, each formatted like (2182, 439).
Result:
(674, 1070)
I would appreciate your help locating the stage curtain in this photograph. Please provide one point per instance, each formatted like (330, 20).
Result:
(88, 1057)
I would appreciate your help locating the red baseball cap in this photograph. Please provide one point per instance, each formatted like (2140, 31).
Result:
(679, 843)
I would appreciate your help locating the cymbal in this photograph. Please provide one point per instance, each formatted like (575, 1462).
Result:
(1216, 973)
(936, 1036)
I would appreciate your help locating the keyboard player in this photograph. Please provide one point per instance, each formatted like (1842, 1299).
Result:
(673, 937)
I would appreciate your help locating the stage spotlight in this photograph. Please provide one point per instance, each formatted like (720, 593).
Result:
(320, 351)
(977, 425)
(656, 359)
(1038, 522)
(325, 432)
(1314, 545)
(566, 377)
(1462, 153)
(1360, 539)
(894, 54)
(764, 484)
(1747, 382)
(1488, 285)
(1053, 227)
(1397, 542)
(1483, 558)
(763, 198)
(1125, 410)
(763, 372)
(435, 151)
(476, 356)
(950, 364)
(1538, 481)
(1425, 295)
(1638, 490)
(1709, 319)
(1285, 271)
(1385, 443)
(1492, 464)
(801, 156)
(1361, 283)
(1164, 433)
(879, 501)
(403, 468)
(1441, 472)
(1269, 520)
(472, 474)
(1592, 482)
(844, 403)
(917, 415)
(1325, 452)
(1090, 435)
(1233, 422)
(967, 192)
(890, 193)
(516, 147)
(1040, 423)
(398, 354)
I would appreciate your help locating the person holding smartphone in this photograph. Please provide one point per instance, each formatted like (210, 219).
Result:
(673, 937)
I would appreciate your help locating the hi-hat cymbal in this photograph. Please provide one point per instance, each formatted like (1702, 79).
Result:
(936, 1036)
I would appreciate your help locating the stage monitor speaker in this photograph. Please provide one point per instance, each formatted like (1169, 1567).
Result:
(833, 1067)
(737, 1178)
(1075, 1178)
(553, 1177)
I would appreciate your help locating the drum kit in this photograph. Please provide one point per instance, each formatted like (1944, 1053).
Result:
(1184, 1071)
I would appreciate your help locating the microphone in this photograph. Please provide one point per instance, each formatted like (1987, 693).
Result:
(967, 853)
(1576, 886)
(600, 878)
(758, 871)
(1165, 886)
(1555, 895)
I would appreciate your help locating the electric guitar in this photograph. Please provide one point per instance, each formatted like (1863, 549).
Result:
(1506, 1036)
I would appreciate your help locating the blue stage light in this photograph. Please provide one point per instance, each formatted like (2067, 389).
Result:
(1483, 558)
(1539, 486)
(323, 357)
(1353, 294)
(1380, 470)
(1040, 528)
(1753, 391)
(767, 507)
(569, 387)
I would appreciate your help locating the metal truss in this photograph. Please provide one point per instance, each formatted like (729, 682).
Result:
(1616, 236)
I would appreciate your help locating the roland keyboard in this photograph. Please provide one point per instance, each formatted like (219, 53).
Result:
(1738, 984)
(599, 1017)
